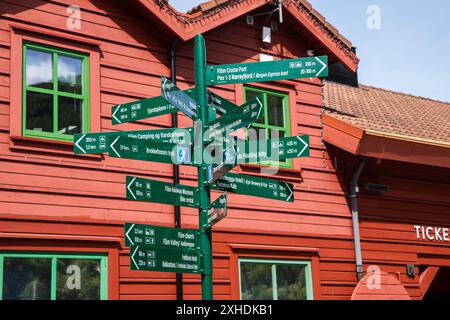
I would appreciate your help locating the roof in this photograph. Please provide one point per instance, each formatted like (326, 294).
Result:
(389, 112)
(211, 14)
(385, 124)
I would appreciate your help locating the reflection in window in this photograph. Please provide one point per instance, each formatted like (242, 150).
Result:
(26, 279)
(39, 112)
(274, 280)
(52, 277)
(39, 69)
(78, 279)
(69, 74)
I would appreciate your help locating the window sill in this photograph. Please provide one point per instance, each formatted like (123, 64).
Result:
(47, 146)
(283, 173)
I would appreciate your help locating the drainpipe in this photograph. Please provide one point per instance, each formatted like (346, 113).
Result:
(355, 219)
(176, 171)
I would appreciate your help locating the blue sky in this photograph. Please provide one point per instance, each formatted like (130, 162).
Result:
(410, 52)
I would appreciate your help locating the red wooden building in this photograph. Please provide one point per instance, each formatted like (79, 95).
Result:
(63, 64)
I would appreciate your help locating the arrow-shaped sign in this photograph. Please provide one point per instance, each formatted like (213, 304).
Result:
(240, 117)
(89, 143)
(161, 192)
(165, 152)
(179, 99)
(267, 71)
(218, 210)
(255, 186)
(222, 105)
(143, 109)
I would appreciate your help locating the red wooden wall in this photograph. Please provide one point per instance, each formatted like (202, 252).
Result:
(52, 200)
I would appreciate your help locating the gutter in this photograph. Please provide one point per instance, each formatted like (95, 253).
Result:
(355, 216)
(176, 170)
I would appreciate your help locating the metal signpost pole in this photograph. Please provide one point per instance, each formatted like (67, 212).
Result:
(205, 231)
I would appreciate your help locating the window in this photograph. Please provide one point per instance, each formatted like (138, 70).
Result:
(52, 277)
(275, 121)
(275, 280)
(55, 92)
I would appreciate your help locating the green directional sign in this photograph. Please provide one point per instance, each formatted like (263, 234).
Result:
(156, 151)
(240, 117)
(222, 105)
(267, 71)
(148, 258)
(255, 186)
(272, 150)
(179, 99)
(143, 109)
(88, 143)
(140, 189)
(218, 210)
(163, 237)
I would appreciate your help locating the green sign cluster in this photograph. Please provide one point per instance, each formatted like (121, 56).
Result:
(155, 248)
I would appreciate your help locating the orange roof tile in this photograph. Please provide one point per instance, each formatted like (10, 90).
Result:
(389, 112)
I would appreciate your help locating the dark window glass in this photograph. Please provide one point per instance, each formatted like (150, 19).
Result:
(275, 110)
(256, 281)
(291, 282)
(69, 115)
(39, 112)
(39, 71)
(70, 74)
(26, 279)
(78, 279)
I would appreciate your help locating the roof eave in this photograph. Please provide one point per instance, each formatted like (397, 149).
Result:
(382, 145)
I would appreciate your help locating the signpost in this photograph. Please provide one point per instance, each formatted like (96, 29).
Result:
(162, 192)
(179, 99)
(163, 237)
(130, 148)
(267, 71)
(156, 248)
(88, 143)
(143, 109)
(164, 260)
(255, 186)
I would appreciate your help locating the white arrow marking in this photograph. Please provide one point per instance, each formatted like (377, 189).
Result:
(112, 147)
(259, 111)
(76, 143)
(304, 148)
(128, 187)
(114, 114)
(131, 241)
(132, 257)
(323, 68)
(163, 87)
(287, 185)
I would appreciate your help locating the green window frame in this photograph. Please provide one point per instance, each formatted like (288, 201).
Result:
(273, 264)
(54, 257)
(286, 129)
(55, 92)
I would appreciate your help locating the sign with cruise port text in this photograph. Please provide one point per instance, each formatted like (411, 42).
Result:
(267, 71)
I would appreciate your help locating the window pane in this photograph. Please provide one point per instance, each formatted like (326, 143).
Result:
(256, 133)
(276, 134)
(69, 74)
(275, 110)
(249, 95)
(39, 112)
(291, 282)
(78, 279)
(27, 279)
(256, 281)
(69, 115)
(39, 70)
